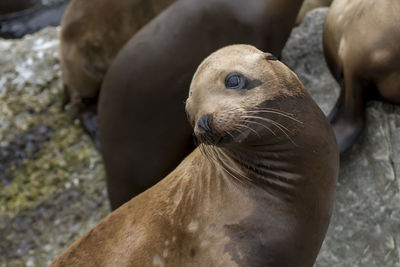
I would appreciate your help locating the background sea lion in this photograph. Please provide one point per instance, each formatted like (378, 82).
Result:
(92, 34)
(257, 192)
(361, 45)
(309, 5)
(143, 132)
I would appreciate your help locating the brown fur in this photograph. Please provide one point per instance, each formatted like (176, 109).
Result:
(92, 34)
(141, 106)
(262, 199)
(361, 45)
(309, 5)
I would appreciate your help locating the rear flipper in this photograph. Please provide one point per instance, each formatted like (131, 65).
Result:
(348, 116)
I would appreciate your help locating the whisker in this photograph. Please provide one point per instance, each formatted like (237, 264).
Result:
(267, 120)
(273, 109)
(289, 116)
(247, 127)
(229, 134)
(229, 169)
(276, 124)
(237, 128)
(265, 126)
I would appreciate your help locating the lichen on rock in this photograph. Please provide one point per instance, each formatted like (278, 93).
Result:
(52, 186)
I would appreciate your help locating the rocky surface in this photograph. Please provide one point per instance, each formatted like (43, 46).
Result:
(44, 13)
(365, 227)
(52, 179)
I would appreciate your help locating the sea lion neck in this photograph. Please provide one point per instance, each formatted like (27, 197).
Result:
(269, 167)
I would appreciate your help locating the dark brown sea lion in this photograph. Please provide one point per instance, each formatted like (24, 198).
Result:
(361, 44)
(257, 192)
(92, 33)
(143, 132)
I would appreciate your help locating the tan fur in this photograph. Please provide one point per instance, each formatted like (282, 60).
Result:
(263, 199)
(361, 45)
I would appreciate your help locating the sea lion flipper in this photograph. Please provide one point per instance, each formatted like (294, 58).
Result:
(348, 116)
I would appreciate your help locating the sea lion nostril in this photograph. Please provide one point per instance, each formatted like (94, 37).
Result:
(204, 123)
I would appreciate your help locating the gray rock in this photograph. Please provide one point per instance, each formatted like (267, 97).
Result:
(52, 186)
(44, 13)
(365, 226)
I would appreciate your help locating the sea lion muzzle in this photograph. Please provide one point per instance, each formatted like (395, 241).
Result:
(204, 123)
(205, 133)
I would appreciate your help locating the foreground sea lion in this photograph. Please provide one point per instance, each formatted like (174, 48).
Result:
(143, 132)
(92, 33)
(257, 192)
(361, 44)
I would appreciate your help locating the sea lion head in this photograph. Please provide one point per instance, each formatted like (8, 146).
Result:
(235, 94)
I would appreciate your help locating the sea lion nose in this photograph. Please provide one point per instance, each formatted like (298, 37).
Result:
(204, 123)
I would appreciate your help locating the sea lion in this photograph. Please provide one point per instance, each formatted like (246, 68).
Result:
(361, 45)
(309, 5)
(92, 33)
(143, 133)
(258, 191)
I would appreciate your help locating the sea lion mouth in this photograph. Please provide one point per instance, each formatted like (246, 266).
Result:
(228, 138)
(206, 133)
(212, 139)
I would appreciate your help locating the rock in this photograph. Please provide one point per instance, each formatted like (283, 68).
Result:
(44, 13)
(52, 186)
(52, 189)
(365, 226)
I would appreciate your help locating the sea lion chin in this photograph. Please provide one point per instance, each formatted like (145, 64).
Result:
(263, 199)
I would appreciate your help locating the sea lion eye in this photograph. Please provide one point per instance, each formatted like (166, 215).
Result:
(235, 81)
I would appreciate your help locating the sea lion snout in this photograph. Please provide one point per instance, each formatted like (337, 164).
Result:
(204, 131)
(204, 123)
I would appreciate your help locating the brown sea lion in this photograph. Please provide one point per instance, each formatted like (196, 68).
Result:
(143, 132)
(92, 33)
(361, 45)
(309, 5)
(257, 192)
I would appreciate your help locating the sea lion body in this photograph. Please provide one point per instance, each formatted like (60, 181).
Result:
(92, 33)
(257, 192)
(361, 45)
(141, 103)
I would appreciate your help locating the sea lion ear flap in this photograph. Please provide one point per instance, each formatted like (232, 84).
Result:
(269, 56)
